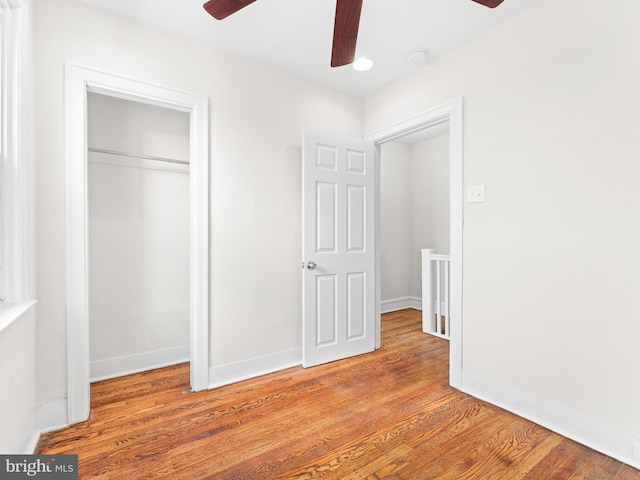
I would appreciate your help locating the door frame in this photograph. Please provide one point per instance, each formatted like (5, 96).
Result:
(79, 81)
(451, 113)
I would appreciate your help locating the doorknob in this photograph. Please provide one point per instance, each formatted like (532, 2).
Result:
(311, 265)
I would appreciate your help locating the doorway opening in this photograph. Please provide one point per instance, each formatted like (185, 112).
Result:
(138, 194)
(414, 214)
(443, 119)
(79, 82)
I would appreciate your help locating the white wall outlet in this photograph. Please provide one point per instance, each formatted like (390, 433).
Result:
(475, 193)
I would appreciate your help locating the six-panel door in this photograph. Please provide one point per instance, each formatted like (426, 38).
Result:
(338, 248)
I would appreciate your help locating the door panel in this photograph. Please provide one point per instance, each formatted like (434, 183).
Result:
(326, 217)
(326, 309)
(356, 285)
(338, 248)
(356, 225)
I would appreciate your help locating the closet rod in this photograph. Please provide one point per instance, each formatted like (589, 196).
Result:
(135, 155)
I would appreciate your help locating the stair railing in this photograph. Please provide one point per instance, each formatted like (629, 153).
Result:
(435, 293)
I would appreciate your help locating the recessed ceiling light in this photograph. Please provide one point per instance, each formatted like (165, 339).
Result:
(362, 64)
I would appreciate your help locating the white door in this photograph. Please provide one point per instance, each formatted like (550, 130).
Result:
(338, 248)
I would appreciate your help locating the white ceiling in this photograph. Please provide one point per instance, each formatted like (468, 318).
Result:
(296, 35)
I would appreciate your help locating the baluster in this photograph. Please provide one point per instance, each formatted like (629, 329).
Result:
(438, 298)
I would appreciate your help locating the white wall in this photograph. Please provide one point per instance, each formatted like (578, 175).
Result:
(257, 118)
(126, 126)
(551, 258)
(138, 237)
(18, 380)
(395, 220)
(414, 211)
(429, 187)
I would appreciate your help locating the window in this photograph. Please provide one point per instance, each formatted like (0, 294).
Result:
(14, 223)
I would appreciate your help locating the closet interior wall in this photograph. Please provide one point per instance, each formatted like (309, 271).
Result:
(138, 182)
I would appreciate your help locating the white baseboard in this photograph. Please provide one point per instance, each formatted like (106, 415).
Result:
(51, 416)
(254, 367)
(400, 303)
(604, 438)
(120, 366)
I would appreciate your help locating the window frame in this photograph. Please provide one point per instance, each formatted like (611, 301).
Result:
(15, 208)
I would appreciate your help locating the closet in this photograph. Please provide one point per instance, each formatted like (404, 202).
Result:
(138, 191)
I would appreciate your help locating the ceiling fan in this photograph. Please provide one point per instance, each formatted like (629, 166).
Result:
(345, 29)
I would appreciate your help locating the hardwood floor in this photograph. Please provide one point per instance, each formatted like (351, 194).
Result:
(386, 415)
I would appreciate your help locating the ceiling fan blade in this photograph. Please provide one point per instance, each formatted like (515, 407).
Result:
(345, 32)
(223, 8)
(489, 3)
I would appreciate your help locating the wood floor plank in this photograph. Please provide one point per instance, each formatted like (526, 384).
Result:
(385, 415)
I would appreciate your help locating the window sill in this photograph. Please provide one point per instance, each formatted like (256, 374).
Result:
(11, 312)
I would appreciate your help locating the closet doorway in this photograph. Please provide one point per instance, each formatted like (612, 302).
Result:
(138, 190)
(80, 82)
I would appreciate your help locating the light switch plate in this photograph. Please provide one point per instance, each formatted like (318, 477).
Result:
(475, 193)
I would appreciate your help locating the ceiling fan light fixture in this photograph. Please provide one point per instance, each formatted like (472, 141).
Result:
(345, 29)
(362, 64)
